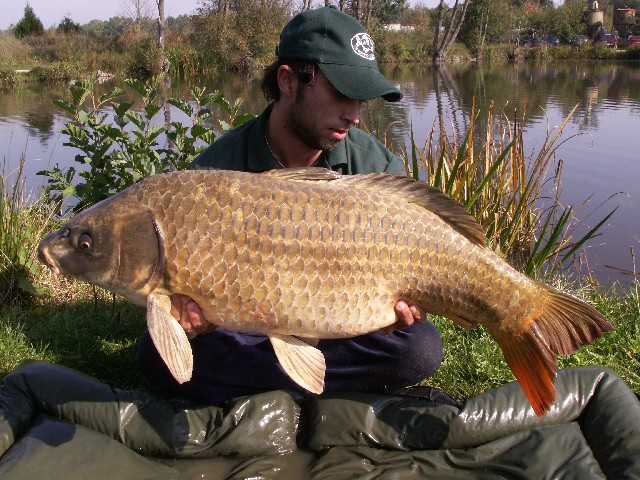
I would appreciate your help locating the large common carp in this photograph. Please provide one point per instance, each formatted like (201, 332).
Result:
(302, 254)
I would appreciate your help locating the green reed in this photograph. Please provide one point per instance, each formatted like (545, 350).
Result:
(514, 195)
(23, 223)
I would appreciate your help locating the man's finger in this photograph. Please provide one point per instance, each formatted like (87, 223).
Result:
(193, 313)
(416, 313)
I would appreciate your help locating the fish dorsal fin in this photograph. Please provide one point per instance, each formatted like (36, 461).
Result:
(426, 196)
(304, 174)
(169, 338)
(410, 190)
(302, 362)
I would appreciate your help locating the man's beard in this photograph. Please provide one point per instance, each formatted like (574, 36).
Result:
(306, 130)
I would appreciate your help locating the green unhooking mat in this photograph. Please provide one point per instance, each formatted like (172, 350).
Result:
(56, 423)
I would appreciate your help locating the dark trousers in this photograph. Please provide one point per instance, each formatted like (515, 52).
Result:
(228, 364)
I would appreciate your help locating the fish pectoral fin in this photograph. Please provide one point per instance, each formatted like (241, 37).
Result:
(463, 322)
(302, 362)
(169, 338)
(311, 341)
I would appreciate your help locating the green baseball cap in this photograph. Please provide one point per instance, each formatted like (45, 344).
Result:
(343, 50)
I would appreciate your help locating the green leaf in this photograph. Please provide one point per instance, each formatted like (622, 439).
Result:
(240, 119)
(105, 97)
(151, 109)
(83, 117)
(181, 105)
(136, 118)
(138, 86)
(122, 108)
(80, 91)
(210, 98)
(66, 106)
(155, 131)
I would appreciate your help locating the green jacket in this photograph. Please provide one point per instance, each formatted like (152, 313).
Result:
(245, 149)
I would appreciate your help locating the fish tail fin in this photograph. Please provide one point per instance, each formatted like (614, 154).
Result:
(565, 325)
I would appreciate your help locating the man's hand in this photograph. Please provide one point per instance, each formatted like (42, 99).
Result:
(407, 312)
(189, 316)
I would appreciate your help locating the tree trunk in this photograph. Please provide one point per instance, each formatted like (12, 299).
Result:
(442, 46)
(161, 22)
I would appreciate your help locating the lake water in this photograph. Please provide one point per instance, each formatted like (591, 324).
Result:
(600, 152)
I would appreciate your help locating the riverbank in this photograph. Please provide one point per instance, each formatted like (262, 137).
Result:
(62, 58)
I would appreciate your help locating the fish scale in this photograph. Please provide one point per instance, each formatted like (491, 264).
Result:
(302, 254)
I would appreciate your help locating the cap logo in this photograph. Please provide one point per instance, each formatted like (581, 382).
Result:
(362, 45)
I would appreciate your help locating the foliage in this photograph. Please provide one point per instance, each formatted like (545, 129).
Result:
(22, 225)
(67, 25)
(29, 24)
(389, 11)
(145, 58)
(56, 72)
(488, 21)
(119, 154)
(247, 34)
(503, 189)
(14, 53)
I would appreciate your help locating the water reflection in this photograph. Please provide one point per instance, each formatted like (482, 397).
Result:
(598, 155)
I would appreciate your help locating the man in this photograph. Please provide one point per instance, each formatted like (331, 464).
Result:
(325, 69)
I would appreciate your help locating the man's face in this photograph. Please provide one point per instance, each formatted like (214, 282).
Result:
(321, 116)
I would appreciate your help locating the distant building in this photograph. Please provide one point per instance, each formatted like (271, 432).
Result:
(397, 27)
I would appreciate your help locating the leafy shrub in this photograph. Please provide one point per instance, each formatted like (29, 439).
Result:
(116, 155)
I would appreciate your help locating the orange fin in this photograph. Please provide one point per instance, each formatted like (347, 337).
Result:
(565, 325)
(534, 365)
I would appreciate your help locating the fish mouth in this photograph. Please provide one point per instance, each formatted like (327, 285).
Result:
(44, 257)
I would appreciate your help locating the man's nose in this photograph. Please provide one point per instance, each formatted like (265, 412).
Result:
(351, 111)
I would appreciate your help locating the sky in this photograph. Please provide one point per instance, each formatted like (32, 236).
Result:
(51, 12)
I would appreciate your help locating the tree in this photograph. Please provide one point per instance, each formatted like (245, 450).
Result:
(29, 24)
(137, 10)
(488, 21)
(68, 26)
(389, 11)
(161, 22)
(446, 34)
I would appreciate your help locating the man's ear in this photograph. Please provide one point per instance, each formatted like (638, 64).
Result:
(287, 81)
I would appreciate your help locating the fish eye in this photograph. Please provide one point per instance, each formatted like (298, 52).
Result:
(84, 241)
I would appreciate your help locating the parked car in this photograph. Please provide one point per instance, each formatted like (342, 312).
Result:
(552, 40)
(633, 40)
(532, 42)
(579, 41)
(540, 41)
(609, 39)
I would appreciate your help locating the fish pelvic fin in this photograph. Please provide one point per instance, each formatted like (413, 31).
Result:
(565, 324)
(304, 363)
(169, 338)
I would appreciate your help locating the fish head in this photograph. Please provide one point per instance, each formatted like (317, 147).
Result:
(112, 245)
